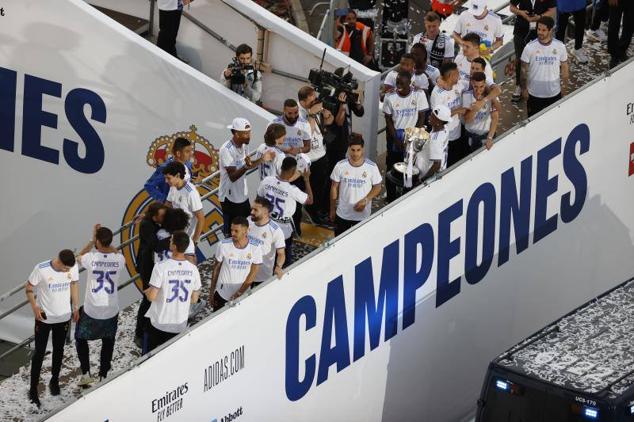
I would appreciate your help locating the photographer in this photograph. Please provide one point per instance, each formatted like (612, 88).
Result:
(242, 77)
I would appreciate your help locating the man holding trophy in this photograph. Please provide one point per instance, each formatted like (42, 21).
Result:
(403, 108)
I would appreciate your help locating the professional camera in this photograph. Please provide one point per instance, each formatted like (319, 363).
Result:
(238, 71)
(329, 85)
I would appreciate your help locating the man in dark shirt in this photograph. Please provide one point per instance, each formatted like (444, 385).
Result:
(528, 13)
(148, 244)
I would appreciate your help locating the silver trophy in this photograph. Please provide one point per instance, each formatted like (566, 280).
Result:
(413, 142)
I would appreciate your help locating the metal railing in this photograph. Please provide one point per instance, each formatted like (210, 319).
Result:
(20, 287)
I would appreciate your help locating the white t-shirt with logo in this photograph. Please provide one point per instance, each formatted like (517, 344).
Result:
(317, 148)
(544, 71)
(434, 150)
(269, 237)
(295, 134)
(464, 68)
(104, 271)
(232, 156)
(176, 281)
(163, 234)
(429, 43)
(170, 4)
(488, 28)
(404, 110)
(354, 184)
(236, 265)
(187, 199)
(284, 197)
(481, 123)
(273, 167)
(452, 99)
(52, 289)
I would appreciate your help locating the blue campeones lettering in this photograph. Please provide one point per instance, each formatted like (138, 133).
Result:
(34, 117)
(378, 310)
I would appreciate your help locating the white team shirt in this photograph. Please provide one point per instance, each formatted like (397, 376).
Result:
(488, 28)
(163, 234)
(176, 281)
(273, 167)
(481, 123)
(419, 81)
(104, 270)
(169, 4)
(284, 197)
(449, 44)
(232, 156)
(544, 71)
(269, 237)
(452, 99)
(236, 265)
(317, 148)
(464, 68)
(187, 199)
(404, 110)
(52, 289)
(295, 134)
(354, 184)
(434, 150)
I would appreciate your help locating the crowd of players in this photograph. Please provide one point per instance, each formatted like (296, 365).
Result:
(309, 159)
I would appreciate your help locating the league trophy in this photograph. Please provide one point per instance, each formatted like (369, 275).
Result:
(402, 174)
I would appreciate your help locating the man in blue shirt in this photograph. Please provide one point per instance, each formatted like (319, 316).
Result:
(182, 151)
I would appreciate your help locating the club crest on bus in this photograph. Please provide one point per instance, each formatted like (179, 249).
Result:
(205, 162)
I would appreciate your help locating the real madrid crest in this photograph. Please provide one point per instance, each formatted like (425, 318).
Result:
(486, 27)
(365, 174)
(249, 255)
(264, 235)
(554, 51)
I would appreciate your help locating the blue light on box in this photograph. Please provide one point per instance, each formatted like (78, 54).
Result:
(591, 412)
(502, 385)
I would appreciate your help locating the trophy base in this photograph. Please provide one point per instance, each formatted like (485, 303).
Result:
(402, 168)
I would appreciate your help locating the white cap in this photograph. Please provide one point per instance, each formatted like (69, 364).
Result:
(240, 124)
(477, 7)
(442, 112)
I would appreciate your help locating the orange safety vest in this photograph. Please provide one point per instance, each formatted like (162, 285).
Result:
(343, 44)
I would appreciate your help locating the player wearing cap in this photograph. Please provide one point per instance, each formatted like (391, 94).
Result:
(433, 157)
(481, 117)
(403, 108)
(234, 164)
(284, 196)
(237, 262)
(483, 22)
(355, 182)
(185, 196)
(269, 237)
(99, 316)
(55, 283)
(544, 68)
(182, 151)
(174, 286)
(298, 131)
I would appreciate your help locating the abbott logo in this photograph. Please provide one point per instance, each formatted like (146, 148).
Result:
(230, 417)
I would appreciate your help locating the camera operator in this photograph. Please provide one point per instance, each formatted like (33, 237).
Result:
(242, 77)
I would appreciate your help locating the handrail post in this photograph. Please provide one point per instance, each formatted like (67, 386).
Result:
(151, 28)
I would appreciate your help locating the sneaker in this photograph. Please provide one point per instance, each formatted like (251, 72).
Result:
(580, 55)
(597, 35)
(517, 94)
(53, 386)
(33, 398)
(86, 380)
